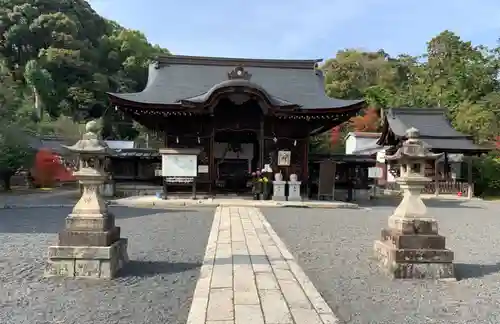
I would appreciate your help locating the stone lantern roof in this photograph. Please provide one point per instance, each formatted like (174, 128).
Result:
(413, 148)
(91, 143)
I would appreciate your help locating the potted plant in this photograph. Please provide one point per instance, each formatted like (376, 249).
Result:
(256, 185)
(266, 188)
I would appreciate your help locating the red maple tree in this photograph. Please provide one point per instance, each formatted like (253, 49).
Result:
(335, 135)
(367, 122)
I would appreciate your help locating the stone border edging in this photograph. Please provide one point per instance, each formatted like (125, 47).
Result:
(235, 204)
(195, 203)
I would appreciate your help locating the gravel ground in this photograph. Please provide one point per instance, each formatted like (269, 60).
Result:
(54, 197)
(166, 249)
(335, 248)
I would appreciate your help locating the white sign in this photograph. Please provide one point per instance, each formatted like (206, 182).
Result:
(179, 165)
(375, 173)
(381, 156)
(202, 168)
(284, 158)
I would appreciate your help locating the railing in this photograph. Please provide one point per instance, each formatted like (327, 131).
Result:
(445, 187)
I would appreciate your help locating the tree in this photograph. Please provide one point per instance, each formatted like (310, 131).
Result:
(69, 57)
(458, 71)
(40, 82)
(367, 122)
(477, 120)
(16, 153)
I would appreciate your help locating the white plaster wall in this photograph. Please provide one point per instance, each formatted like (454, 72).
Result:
(350, 144)
(354, 144)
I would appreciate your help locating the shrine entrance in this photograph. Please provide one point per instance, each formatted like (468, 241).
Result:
(236, 156)
(237, 138)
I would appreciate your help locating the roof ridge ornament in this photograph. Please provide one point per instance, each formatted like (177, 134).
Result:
(239, 73)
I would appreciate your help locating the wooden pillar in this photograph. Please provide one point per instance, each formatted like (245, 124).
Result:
(334, 179)
(305, 172)
(164, 179)
(305, 168)
(261, 144)
(446, 167)
(470, 182)
(436, 177)
(211, 162)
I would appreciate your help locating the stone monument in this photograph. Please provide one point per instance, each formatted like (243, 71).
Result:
(90, 245)
(279, 188)
(411, 247)
(294, 188)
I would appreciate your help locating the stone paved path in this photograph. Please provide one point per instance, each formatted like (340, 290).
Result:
(248, 276)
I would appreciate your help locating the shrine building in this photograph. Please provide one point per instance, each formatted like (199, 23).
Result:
(239, 112)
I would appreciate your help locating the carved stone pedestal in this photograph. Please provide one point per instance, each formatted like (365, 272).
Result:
(87, 261)
(279, 190)
(294, 191)
(413, 249)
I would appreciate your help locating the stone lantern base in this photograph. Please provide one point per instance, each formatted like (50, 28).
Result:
(88, 247)
(413, 249)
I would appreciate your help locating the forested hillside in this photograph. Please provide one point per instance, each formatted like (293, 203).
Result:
(61, 56)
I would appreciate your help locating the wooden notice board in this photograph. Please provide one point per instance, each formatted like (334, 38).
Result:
(326, 185)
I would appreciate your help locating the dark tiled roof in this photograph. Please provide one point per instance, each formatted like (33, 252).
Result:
(435, 129)
(174, 79)
(431, 122)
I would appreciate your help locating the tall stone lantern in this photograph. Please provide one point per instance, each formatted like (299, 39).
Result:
(411, 246)
(90, 244)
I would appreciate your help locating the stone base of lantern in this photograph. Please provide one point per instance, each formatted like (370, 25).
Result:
(87, 261)
(89, 246)
(413, 249)
(89, 238)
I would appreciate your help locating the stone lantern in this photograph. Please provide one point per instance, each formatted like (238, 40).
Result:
(411, 246)
(90, 245)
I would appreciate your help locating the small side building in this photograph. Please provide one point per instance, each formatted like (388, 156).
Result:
(362, 143)
(453, 172)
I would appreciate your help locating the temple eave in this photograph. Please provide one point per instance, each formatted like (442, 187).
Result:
(187, 107)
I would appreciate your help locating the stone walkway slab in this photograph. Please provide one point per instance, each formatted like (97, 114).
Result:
(155, 202)
(249, 276)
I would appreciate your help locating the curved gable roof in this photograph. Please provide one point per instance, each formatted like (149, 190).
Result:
(175, 78)
(238, 83)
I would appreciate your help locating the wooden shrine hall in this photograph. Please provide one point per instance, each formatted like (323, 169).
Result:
(451, 174)
(238, 112)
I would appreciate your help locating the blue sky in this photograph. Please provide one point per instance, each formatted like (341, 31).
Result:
(301, 28)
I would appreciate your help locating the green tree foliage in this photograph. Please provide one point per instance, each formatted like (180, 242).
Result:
(40, 82)
(453, 74)
(68, 57)
(58, 59)
(487, 175)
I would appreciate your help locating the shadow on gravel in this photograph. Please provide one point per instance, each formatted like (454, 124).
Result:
(51, 220)
(432, 203)
(122, 212)
(137, 268)
(468, 271)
